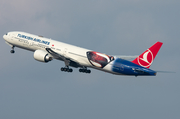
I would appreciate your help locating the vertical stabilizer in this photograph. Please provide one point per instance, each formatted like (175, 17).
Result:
(146, 58)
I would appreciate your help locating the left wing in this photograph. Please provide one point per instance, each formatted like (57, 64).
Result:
(68, 61)
(54, 54)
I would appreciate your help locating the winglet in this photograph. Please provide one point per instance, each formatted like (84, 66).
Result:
(146, 58)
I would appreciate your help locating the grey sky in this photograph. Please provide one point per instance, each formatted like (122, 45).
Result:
(33, 90)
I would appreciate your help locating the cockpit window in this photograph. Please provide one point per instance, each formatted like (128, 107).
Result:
(6, 33)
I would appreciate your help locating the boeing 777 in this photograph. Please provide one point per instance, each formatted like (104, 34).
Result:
(46, 49)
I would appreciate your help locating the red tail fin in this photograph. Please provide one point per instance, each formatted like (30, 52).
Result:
(146, 58)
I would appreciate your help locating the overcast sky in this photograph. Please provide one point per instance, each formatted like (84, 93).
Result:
(33, 90)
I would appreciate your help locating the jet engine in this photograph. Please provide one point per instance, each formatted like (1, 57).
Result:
(42, 56)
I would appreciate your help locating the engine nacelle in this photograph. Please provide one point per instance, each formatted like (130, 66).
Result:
(42, 56)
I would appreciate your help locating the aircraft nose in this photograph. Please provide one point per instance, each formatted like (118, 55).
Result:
(5, 36)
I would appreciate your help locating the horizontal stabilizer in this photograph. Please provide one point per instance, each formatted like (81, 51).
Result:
(126, 57)
(165, 72)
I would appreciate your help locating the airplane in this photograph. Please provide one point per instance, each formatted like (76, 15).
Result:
(46, 49)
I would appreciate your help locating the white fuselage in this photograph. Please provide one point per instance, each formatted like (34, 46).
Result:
(46, 49)
(33, 42)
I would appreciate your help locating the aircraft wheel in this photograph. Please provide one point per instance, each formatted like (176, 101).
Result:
(12, 51)
(62, 69)
(88, 71)
(84, 70)
(65, 69)
(70, 70)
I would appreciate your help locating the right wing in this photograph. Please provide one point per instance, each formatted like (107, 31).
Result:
(126, 57)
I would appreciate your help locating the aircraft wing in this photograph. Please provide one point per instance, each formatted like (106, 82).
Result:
(126, 57)
(68, 61)
(54, 54)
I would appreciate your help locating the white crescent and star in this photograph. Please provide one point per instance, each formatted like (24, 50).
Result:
(145, 58)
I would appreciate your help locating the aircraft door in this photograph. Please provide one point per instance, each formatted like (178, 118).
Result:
(65, 51)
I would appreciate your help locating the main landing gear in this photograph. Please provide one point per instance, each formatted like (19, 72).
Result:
(66, 69)
(85, 70)
(12, 51)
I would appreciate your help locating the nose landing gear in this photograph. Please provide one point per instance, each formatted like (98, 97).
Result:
(12, 51)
